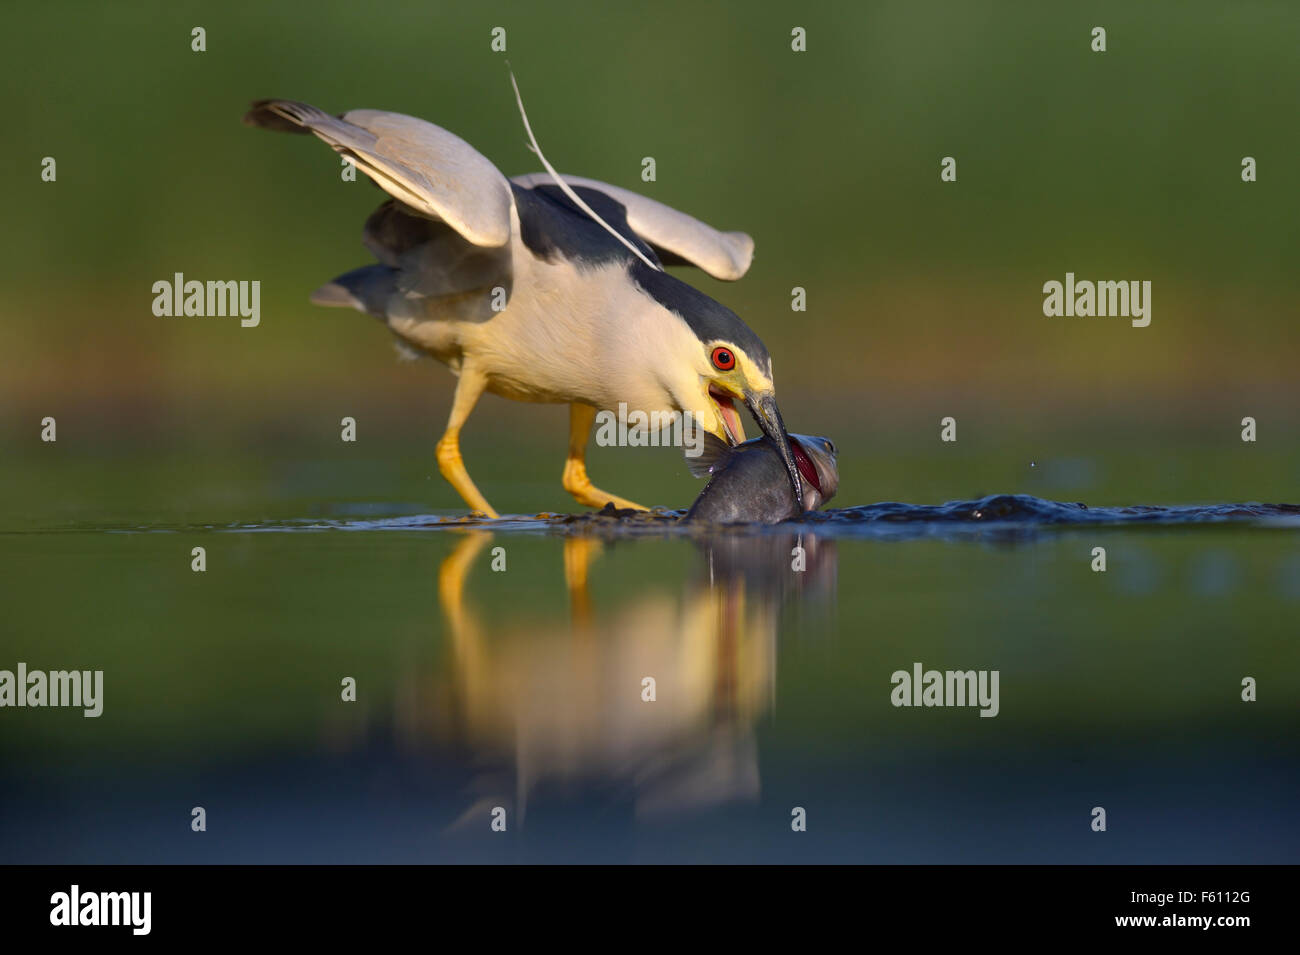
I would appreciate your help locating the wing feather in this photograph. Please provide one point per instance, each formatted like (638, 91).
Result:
(723, 255)
(425, 167)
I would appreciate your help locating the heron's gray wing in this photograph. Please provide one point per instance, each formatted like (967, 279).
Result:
(427, 271)
(723, 255)
(428, 169)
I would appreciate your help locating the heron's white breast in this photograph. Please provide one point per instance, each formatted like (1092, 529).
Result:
(572, 333)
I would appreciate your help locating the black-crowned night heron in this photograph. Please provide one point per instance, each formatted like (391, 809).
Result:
(590, 317)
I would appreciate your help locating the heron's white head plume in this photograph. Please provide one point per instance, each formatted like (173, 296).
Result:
(564, 186)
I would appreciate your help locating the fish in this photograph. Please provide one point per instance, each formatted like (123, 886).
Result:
(749, 483)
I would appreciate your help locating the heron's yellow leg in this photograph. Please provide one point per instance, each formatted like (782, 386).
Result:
(469, 387)
(576, 481)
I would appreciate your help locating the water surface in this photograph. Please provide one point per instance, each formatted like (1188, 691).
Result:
(772, 650)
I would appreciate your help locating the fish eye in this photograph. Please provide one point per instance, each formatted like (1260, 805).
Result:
(830, 446)
(723, 359)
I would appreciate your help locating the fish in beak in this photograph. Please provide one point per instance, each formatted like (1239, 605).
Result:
(745, 480)
(768, 415)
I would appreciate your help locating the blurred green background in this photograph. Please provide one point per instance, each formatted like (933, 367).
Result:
(924, 297)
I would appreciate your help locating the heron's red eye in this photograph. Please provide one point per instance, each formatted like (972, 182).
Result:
(723, 359)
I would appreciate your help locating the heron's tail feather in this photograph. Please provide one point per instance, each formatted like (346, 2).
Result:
(366, 289)
(288, 116)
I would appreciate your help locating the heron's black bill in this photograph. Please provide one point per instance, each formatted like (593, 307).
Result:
(768, 415)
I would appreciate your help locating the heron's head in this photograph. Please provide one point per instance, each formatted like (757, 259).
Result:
(716, 365)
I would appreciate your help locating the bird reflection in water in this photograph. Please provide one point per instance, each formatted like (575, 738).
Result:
(547, 708)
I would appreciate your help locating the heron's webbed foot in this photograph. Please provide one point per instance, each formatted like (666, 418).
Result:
(576, 481)
(579, 485)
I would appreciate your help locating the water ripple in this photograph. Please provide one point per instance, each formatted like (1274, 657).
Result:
(1007, 515)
